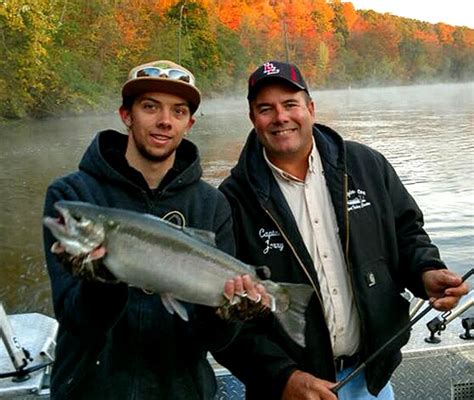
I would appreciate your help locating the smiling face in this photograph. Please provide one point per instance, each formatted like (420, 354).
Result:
(283, 119)
(157, 122)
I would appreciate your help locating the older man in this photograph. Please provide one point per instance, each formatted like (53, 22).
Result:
(318, 209)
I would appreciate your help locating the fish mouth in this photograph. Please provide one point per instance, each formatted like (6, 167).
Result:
(61, 223)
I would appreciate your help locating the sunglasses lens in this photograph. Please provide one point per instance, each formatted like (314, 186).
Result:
(175, 74)
(148, 72)
(179, 75)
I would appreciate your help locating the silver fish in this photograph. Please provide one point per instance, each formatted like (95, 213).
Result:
(180, 264)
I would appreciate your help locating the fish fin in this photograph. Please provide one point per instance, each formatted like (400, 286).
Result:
(291, 301)
(173, 221)
(207, 237)
(174, 306)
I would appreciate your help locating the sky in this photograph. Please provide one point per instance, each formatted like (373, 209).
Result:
(451, 12)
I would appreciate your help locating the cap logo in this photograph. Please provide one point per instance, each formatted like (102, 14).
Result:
(270, 69)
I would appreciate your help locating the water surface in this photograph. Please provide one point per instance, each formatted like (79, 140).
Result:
(426, 132)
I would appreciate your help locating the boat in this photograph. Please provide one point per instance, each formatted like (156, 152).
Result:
(438, 361)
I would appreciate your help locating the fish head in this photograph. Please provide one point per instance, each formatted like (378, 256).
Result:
(77, 228)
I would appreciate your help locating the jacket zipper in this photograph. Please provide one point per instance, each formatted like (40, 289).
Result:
(346, 217)
(296, 255)
(346, 251)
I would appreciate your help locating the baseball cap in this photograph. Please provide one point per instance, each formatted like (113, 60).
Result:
(275, 70)
(163, 76)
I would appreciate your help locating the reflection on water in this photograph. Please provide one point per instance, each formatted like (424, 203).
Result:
(425, 132)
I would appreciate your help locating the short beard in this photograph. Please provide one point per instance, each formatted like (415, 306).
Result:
(151, 157)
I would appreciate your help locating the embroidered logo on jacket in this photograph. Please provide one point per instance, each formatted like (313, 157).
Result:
(268, 238)
(356, 200)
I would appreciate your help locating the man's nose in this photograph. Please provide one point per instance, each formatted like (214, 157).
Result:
(281, 115)
(164, 117)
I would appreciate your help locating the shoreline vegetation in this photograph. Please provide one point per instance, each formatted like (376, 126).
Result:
(65, 58)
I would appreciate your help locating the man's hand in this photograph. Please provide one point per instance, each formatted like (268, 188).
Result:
(247, 299)
(85, 266)
(304, 386)
(444, 288)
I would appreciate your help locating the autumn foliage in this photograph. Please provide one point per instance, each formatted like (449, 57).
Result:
(62, 55)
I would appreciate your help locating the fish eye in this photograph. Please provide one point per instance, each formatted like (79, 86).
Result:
(84, 223)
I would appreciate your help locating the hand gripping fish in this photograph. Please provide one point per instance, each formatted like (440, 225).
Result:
(178, 263)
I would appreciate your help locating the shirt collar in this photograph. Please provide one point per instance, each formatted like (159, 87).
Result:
(312, 159)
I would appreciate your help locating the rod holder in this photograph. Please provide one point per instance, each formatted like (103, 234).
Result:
(467, 324)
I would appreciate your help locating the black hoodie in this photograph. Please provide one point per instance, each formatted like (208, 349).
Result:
(117, 342)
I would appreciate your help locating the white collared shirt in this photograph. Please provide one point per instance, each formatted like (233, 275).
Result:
(312, 208)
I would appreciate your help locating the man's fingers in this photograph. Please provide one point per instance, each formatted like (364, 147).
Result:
(445, 303)
(457, 291)
(57, 248)
(263, 293)
(239, 285)
(229, 289)
(249, 288)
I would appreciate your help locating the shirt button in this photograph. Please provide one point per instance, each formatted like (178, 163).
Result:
(325, 255)
(316, 221)
(334, 291)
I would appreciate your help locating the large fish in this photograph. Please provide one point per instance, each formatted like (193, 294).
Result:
(178, 263)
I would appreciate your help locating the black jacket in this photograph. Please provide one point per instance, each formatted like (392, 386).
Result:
(385, 246)
(117, 342)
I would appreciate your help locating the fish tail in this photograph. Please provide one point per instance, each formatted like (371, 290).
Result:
(290, 303)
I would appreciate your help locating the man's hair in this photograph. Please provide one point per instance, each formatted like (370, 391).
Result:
(307, 97)
(127, 102)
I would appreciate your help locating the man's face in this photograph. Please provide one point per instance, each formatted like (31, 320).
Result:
(157, 123)
(283, 119)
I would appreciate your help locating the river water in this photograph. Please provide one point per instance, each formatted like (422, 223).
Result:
(425, 131)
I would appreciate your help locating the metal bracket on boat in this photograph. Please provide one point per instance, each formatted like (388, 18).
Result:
(467, 324)
(19, 356)
(438, 324)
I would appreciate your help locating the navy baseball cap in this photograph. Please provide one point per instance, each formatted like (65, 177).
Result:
(275, 70)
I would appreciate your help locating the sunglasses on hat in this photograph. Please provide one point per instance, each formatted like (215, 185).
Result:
(170, 73)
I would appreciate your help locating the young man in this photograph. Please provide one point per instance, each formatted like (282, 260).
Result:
(118, 342)
(317, 209)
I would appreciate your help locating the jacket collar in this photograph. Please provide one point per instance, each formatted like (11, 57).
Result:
(253, 169)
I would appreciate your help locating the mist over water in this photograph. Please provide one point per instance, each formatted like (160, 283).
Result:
(426, 132)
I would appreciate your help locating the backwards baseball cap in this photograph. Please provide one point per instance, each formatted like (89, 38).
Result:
(275, 71)
(163, 76)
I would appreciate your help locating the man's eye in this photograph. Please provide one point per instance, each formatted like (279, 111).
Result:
(149, 106)
(181, 111)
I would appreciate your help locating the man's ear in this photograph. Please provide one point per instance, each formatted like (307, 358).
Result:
(125, 116)
(251, 116)
(191, 122)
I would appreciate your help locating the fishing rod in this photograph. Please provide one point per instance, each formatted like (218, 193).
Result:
(362, 366)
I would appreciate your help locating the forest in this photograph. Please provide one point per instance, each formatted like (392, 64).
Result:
(66, 56)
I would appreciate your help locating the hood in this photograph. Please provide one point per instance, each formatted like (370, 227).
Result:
(96, 159)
